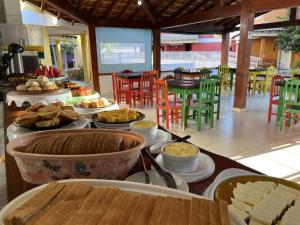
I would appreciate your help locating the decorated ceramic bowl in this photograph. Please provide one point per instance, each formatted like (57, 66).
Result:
(41, 168)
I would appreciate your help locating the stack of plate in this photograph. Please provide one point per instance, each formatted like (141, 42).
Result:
(205, 169)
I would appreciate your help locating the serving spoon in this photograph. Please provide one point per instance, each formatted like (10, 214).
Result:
(155, 149)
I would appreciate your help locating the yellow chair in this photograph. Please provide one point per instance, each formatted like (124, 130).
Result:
(294, 71)
(223, 73)
(265, 81)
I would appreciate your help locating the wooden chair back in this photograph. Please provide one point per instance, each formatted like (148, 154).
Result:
(292, 93)
(162, 92)
(147, 81)
(274, 89)
(223, 72)
(207, 91)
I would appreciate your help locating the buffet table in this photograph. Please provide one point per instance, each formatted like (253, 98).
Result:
(16, 186)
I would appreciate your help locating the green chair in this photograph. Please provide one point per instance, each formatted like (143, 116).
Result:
(218, 93)
(204, 104)
(289, 103)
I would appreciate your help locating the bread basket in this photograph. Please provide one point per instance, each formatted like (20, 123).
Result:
(41, 168)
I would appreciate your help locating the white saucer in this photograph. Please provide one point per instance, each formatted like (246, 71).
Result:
(205, 169)
(156, 179)
(161, 136)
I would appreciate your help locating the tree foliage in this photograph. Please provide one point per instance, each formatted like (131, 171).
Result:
(289, 39)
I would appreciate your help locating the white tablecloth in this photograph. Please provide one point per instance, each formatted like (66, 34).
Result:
(15, 132)
(60, 95)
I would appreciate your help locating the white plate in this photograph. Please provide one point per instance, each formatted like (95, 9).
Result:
(156, 179)
(205, 169)
(92, 111)
(161, 136)
(124, 126)
(15, 132)
(123, 185)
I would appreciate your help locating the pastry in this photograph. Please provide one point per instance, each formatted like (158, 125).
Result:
(85, 103)
(35, 108)
(95, 103)
(48, 123)
(49, 115)
(27, 118)
(21, 87)
(35, 88)
(68, 115)
(41, 79)
(117, 116)
(32, 83)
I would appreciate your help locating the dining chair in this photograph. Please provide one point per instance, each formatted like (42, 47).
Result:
(147, 82)
(263, 80)
(204, 104)
(290, 103)
(274, 94)
(120, 89)
(204, 73)
(169, 77)
(218, 94)
(294, 72)
(166, 108)
(223, 73)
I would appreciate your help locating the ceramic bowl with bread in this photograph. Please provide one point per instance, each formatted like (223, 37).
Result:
(180, 157)
(63, 154)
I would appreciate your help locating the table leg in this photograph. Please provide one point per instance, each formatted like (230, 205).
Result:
(130, 86)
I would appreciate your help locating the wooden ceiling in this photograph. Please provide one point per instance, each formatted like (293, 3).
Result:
(151, 13)
(179, 16)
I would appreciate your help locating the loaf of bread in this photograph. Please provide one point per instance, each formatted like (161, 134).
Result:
(78, 144)
(81, 204)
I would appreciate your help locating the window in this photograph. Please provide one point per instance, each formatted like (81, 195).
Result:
(122, 53)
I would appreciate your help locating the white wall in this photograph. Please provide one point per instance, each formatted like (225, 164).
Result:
(106, 87)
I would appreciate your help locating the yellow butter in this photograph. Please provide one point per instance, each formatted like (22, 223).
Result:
(180, 149)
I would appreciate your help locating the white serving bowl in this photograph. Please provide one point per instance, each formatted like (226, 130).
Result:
(146, 128)
(179, 163)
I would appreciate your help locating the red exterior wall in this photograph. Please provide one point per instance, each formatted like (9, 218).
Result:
(206, 47)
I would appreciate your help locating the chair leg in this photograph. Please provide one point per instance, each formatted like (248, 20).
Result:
(199, 120)
(157, 116)
(270, 112)
(167, 118)
(211, 117)
(219, 107)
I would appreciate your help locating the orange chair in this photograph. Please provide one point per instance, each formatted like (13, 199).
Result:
(120, 89)
(171, 110)
(144, 93)
(274, 95)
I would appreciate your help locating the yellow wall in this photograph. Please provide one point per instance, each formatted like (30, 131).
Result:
(266, 51)
(295, 58)
(47, 54)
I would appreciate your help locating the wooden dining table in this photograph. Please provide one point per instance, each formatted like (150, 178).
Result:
(132, 79)
(16, 186)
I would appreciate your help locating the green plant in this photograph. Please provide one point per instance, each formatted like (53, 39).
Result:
(68, 48)
(204, 70)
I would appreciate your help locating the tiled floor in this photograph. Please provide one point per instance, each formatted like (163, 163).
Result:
(248, 138)
(243, 136)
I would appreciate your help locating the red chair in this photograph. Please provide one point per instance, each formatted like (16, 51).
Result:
(120, 89)
(274, 94)
(171, 110)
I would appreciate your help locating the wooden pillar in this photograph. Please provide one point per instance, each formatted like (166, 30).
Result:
(225, 48)
(244, 53)
(262, 49)
(156, 50)
(94, 58)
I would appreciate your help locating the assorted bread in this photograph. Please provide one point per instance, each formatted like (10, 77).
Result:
(43, 116)
(117, 116)
(42, 83)
(95, 103)
(80, 144)
(266, 203)
(79, 203)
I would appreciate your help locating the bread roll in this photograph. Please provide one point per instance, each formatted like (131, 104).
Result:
(42, 79)
(34, 89)
(32, 83)
(21, 87)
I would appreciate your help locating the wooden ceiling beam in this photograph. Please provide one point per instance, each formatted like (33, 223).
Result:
(268, 5)
(277, 25)
(96, 6)
(164, 9)
(204, 16)
(42, 5)
(181, 9)
(114, 2)
(199, 8)
(66, 8)
(129, 3)
(147, 6)
(123, 23)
